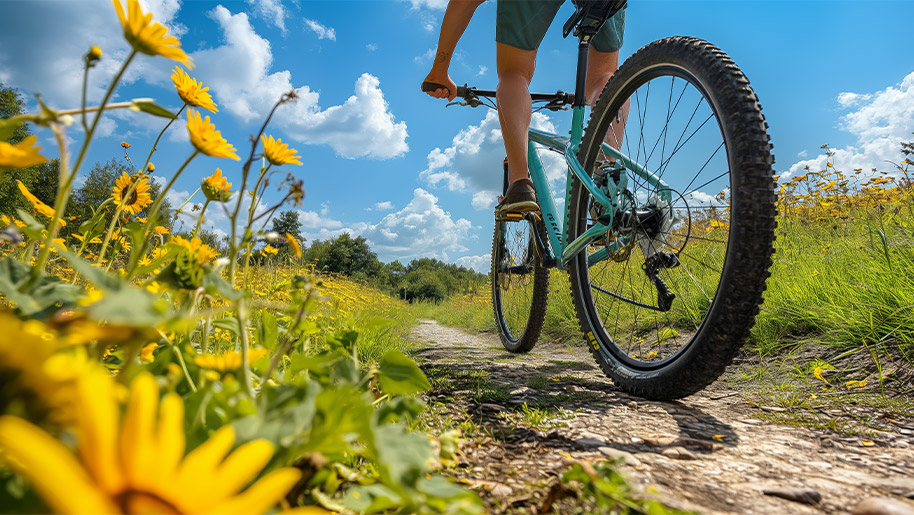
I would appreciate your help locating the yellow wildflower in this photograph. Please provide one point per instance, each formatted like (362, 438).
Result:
(199, 252)
(192, 92)
(160, 230)
(37, 204)
(139, 199)
(228, 361)
(206, 138)
(147, 36)
(95, 53)
(136, 463)
(20, 155)
(146, 354)
(279, 153)
(296, 247)
(271, 250)
(216, 187)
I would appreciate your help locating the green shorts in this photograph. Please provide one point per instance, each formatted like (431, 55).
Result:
(523, 23)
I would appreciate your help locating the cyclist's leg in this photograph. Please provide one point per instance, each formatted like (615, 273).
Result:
(600, 67)
(515, 71)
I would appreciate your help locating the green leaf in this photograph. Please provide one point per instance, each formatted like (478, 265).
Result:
(399, 375)
(97, 276)
(7, 127)
(371, 499)
(32, 227)
(213, 282)
(229, 324)
(267, 330)
(129, 306)
(146, 105)
(94, 225)
(401, 455)
(47, 296)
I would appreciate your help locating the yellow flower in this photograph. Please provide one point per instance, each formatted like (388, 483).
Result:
(228, 361)
(206, 138)
(20, 155)
(135, 463)
(199, 252)
(160, 230)
(279, 153)
(37, 204)
(216, 187)
(125, 145)
(192, 92)
(147, 36)
(95, 53)
(34, 377)
(139, 199)
(296, 247)
(269, 249)
(147, 353)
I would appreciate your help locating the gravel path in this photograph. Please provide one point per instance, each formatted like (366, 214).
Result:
(709, 453)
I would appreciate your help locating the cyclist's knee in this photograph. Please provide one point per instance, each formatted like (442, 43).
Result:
(515, 62)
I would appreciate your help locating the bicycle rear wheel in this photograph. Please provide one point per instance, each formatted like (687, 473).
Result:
(520, 284)
(668, 296)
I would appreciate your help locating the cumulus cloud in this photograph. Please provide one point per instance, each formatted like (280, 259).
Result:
(383, 206)
(421, 229)
(362, 126)
(473, 162)
(880, 121)
(272, 11)
(319, 29)
(481, 263)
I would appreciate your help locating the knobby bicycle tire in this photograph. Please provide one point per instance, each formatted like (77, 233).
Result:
(726, 323)
(518, 300)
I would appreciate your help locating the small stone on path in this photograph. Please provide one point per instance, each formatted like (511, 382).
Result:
(801, 495)
(589, 442)
(884, 506)
(616, 453)
(678, 453)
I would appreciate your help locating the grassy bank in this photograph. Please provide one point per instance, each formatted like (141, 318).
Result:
(842, 284)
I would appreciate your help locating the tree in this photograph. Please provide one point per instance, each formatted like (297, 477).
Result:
(287, 222)
(41, 180)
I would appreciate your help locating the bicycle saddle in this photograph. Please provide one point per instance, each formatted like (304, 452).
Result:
(589, 15)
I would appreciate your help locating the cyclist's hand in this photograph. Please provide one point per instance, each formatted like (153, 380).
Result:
(450, 92)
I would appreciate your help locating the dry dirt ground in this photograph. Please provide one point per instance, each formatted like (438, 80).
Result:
(527, 417)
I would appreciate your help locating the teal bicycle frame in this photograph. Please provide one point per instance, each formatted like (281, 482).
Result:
(562, 250)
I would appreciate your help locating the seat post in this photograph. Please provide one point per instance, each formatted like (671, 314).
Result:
(580, 84)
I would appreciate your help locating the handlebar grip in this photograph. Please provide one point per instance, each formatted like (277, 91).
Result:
(432, 86)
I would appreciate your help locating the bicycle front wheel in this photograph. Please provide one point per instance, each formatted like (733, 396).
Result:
(668, 296)
(520, 284)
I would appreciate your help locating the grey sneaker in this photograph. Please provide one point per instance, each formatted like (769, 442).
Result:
(520, 198)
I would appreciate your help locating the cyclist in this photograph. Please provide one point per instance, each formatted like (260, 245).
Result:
(519, 29)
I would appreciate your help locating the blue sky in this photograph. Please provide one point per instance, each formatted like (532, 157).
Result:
(383, 160)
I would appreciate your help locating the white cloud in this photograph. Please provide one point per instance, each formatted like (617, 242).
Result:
(482, 70)
(383, 206)
(362, 126)
(272, 11)
(880, 121)
(473, 163)
(421, 229)
(371, 47)
(481, 264)
(319, 29)
(429, 4)
(426, 57)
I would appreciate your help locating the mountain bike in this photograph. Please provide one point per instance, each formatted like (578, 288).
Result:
(668, 216)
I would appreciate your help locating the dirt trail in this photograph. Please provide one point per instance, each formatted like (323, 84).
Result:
(706, 453)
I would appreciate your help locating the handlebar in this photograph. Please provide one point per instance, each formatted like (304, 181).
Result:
(555, 101)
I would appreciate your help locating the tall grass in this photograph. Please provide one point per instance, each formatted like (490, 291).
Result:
(843, 273)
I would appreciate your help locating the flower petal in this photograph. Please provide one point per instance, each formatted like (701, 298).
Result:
(262, 495)
(50, 467)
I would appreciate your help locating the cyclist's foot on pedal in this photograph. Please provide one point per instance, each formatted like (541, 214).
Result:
(519, 199)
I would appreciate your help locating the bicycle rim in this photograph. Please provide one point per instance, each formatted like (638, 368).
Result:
(672, 127)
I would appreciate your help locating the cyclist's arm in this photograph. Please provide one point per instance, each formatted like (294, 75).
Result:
(455, 21)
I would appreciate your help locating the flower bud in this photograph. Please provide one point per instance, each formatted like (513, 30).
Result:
(93, 55)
